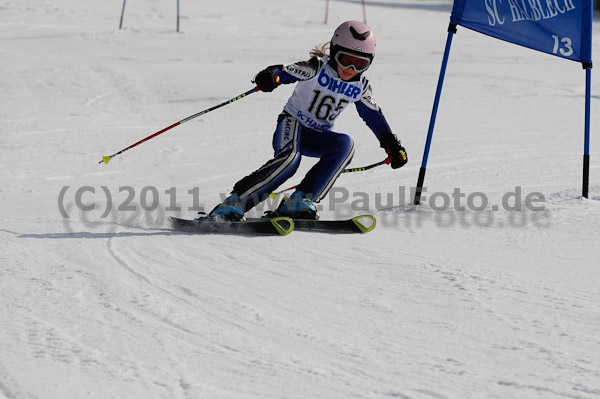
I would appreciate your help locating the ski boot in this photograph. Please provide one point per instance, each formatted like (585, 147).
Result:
(298, 207)
(231, 209)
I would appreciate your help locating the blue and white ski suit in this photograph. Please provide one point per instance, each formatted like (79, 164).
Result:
(305, 128)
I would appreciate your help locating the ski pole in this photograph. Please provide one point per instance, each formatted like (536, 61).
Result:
(107, 158)
(363, 168)
(351, 170)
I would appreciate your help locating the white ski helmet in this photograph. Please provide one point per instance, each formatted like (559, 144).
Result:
(355, 38)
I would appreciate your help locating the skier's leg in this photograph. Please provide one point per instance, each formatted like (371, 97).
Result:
(257, 186)
(336, 151)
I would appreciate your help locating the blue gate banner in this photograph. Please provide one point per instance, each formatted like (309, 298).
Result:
(559, 27)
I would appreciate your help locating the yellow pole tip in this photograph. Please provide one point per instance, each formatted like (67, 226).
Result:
(106, 159)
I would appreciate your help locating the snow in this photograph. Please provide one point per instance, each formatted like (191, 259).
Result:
(436, 302)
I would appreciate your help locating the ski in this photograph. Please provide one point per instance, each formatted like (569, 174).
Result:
(253, 226)
(357, 224)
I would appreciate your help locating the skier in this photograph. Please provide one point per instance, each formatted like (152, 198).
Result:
(326, 84)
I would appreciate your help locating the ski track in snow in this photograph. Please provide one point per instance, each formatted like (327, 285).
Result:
(433, 303)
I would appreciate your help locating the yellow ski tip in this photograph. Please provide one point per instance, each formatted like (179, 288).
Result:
(365, 223)
(283, 225)
(106, 158)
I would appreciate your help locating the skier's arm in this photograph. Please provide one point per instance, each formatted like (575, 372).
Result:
(269, 78)
(302, 70)
(369, 112)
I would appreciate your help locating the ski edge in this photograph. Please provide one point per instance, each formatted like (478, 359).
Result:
(281, 225)
(357, 224)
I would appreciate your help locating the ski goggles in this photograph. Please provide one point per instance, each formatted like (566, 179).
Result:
(348, 60)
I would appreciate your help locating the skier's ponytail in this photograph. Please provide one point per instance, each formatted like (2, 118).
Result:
(320, 51)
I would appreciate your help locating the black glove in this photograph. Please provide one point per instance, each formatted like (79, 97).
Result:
(397, 154)
(267, 80)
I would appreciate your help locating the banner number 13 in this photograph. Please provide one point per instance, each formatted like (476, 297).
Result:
(567, 46)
